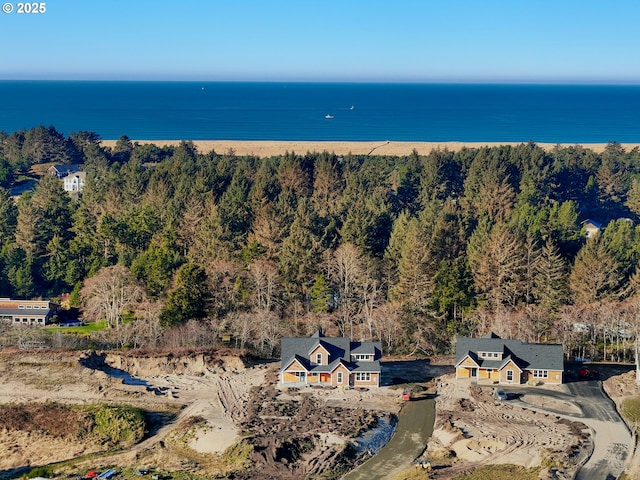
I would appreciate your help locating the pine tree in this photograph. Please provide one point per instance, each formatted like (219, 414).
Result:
(498, 267)
(235, 211)
(393, 252)
(187, 300)
(596, 274)
(55, 267)
(327, 185)
(416, 270)
(550, 281)
(321, 294)
(301, 250)
(8, 216)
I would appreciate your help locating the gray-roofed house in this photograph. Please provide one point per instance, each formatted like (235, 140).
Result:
(491, 358)
(62, 171)
(330, 361)
(27, 312)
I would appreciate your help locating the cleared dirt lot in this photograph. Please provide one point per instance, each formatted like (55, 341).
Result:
(473, 429)
(206, 403)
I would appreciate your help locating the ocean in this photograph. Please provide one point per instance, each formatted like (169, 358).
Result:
(326, 111)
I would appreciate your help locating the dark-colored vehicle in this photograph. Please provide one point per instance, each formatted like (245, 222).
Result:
(502, 395)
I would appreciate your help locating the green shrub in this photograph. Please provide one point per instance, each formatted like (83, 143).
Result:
(45, 471)
(119, 426)
(501, 472)
(630, 410)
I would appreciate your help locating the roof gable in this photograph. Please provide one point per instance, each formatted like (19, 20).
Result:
(319, 345)
(509, 361)
(469, 355)
(292, 360)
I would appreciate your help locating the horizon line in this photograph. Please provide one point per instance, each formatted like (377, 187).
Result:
(337, 81)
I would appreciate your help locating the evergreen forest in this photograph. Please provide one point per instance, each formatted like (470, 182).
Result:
(175, 248)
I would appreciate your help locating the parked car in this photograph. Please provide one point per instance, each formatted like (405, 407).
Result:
(502, 395)
(585, 372)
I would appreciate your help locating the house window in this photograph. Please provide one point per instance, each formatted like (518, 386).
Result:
(302, 376)
(361, 356)
(509, 375)
(488, 355)
(339, 377)
(540, 373)
(363, 376)
(21, 307)
(319, 358)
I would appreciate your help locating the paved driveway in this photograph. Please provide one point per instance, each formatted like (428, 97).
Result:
(612, 440)
(415, 426)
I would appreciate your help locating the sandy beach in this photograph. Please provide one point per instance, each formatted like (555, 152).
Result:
(272, 148)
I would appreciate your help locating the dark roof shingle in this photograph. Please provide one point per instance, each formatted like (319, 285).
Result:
(538, 356)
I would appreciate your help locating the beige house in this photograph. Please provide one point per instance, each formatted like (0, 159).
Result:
(337, 362)
(496, 360)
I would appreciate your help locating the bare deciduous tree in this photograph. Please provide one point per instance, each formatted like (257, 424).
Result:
(266, 282)
(387, 324)
(148, 328)
(109, 293)
(372, 297)
(244, 325)
(346, 268)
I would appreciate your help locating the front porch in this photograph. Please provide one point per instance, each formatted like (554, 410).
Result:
(489, 376)
(299, 379)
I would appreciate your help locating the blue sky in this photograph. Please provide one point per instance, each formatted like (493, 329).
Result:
(566, 41)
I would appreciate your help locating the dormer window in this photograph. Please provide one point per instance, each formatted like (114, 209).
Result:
(358, 357)
(319, 358)
(491, 355)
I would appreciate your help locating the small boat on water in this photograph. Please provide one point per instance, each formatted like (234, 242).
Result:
(328, 116)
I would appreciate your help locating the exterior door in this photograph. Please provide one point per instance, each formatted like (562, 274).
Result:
(474, 372)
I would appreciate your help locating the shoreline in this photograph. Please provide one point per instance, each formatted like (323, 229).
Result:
(267, 148)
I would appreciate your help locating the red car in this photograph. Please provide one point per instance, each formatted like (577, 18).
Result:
(585, 372)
